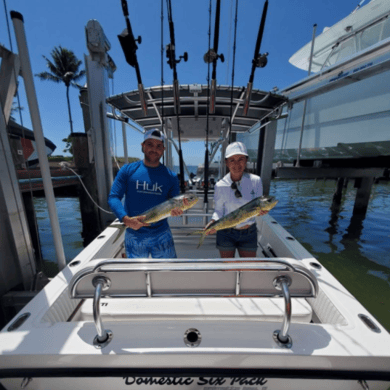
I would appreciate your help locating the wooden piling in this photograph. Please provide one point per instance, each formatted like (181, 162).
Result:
(362, 195)
(92, 225)
(339, 191)
(28, 201)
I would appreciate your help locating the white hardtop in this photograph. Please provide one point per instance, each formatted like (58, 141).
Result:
(330, 36)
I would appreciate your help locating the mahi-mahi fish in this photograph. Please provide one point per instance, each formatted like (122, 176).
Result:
(248, 210)
(161, 211)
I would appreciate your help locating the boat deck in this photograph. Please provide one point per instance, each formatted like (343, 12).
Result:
(187, 246)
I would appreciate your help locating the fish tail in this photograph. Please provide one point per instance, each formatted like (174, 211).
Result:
(201, 240)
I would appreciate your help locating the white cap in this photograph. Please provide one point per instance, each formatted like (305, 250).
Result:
(154, 134)
(236, 148)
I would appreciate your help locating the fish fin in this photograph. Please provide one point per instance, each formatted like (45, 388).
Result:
(195, 232)
(201, 240)
(120, 231)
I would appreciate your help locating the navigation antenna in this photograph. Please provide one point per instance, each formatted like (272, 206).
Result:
(259, 60)
(172, 61)
(129, 47)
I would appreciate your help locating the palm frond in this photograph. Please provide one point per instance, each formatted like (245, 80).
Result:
(49, 76)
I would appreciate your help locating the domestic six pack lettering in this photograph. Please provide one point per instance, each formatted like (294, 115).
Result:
(231, 383)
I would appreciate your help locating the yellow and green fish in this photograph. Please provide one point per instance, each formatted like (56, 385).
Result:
(162, 210)
(248, 210)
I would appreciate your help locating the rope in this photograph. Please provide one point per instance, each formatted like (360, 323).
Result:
(233, 68)
(65, 165)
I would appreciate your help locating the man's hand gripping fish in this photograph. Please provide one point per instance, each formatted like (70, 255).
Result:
(163, 210)
(248, 210)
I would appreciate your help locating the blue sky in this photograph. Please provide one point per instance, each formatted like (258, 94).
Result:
(51, 23)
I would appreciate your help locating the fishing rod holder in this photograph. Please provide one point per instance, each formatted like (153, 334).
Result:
(212, 56)
(261, 61)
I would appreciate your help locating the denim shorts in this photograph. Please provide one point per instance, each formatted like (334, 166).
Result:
(230, 239)
(158, 245)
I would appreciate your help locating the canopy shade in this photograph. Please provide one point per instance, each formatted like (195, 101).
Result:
(193, 105)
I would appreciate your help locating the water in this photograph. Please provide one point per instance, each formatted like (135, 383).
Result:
(191, 169)
(356, 252)
(69, 216)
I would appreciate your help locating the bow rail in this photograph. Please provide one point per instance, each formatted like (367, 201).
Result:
(206, 278)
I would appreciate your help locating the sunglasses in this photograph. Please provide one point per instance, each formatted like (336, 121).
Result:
(237, 193)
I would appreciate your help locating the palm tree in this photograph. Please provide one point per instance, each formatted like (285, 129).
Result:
(65, 69)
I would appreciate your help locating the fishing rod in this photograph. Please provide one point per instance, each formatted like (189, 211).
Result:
(212, 56)
(206, 154)
(259, 60)
(129, 47)
(172, 61)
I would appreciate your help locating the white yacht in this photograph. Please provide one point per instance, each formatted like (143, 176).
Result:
(276, 321)
(341, 111)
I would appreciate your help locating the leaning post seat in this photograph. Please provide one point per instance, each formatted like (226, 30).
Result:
(189, 278)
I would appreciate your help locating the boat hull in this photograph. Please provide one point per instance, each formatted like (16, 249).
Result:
(24, 147)
(348, 122)
(187, 382)
(332, 347)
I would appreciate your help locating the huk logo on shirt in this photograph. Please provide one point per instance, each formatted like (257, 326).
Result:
(148, 188)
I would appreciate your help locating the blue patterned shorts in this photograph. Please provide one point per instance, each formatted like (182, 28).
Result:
(159, 245)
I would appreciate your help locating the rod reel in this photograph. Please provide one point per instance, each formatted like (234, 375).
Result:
(171, 55)
(261, 61)
(212, 56)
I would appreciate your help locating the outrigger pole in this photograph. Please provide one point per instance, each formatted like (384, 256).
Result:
(212, 56)
(129, 47)
(259, 60)
(172, 61)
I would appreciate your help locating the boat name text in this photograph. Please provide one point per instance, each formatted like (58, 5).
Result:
(131, 380)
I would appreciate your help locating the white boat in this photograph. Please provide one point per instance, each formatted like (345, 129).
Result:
(186, 322)
(345, 103)
(214, 175)
(276, 321)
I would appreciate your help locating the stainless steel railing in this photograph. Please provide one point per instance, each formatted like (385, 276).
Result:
(103, 280)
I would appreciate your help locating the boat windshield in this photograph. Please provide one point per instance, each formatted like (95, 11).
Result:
(212, 171)
(359, 41)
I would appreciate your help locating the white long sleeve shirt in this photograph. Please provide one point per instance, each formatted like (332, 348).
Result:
(225, 201)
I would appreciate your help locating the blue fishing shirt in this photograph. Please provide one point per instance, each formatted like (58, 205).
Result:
(143, 187)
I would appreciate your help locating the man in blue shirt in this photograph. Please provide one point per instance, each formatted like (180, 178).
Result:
(146, 184)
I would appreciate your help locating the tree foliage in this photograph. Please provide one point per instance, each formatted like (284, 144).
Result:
(64, 67)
